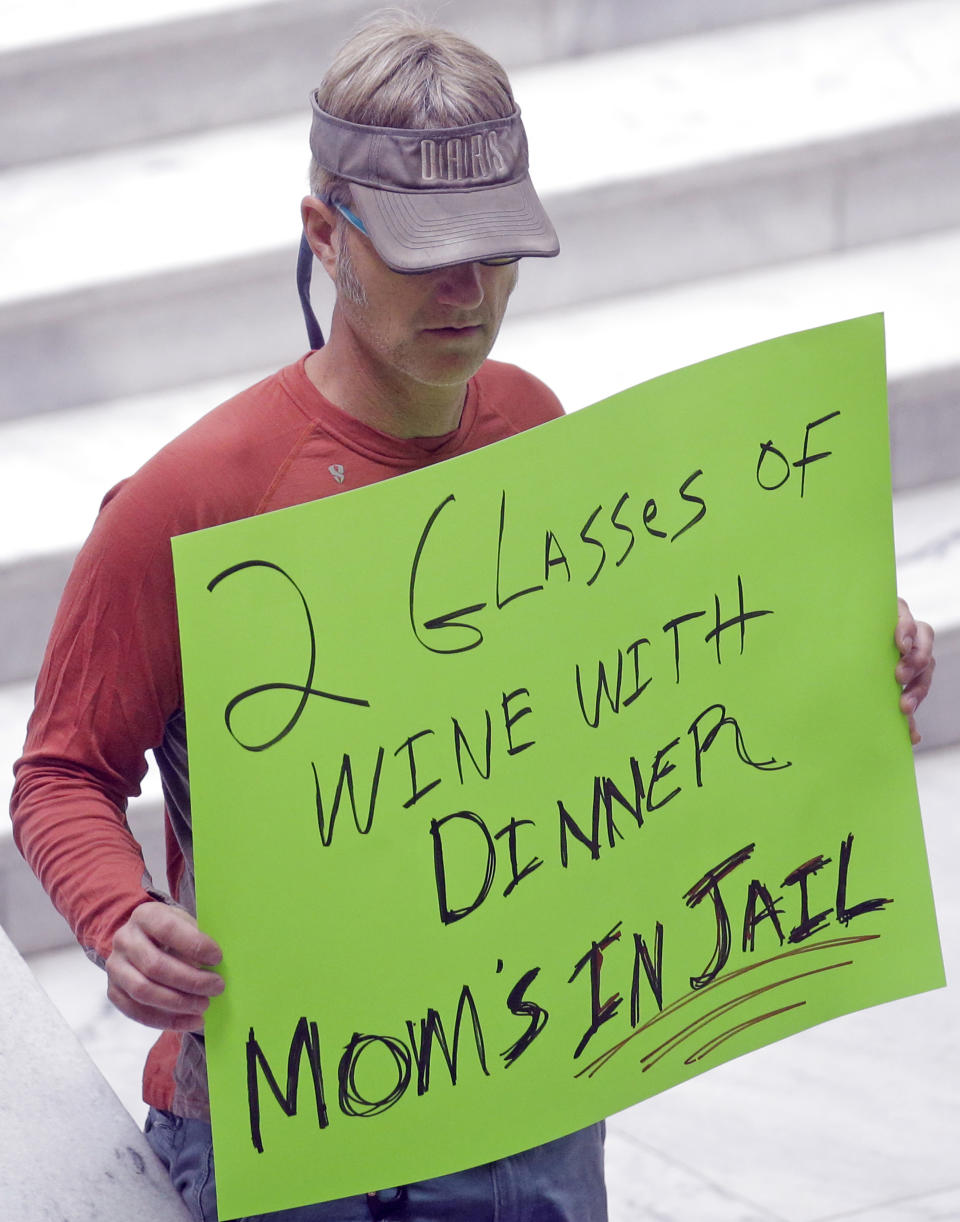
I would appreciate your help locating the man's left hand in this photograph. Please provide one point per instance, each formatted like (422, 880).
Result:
(915, 669)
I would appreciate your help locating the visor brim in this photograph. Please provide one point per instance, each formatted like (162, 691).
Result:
(416, 231)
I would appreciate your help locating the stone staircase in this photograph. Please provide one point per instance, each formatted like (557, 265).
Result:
(720, 171)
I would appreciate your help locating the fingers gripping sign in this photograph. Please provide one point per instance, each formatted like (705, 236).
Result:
(158, 970)
(915, 669)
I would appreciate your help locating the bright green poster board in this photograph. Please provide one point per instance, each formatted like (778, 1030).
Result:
(531, 784)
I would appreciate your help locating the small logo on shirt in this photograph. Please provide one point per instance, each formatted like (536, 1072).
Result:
(337, 471)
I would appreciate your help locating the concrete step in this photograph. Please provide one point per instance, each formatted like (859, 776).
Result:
(176, 278)
(74, 78)
(590, 351)
(55, 467)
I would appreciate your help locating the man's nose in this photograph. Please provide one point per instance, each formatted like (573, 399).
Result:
(461, 285)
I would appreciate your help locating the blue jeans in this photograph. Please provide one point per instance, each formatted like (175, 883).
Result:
(561, 1181)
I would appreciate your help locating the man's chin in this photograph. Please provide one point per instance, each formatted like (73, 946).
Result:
(451, 366)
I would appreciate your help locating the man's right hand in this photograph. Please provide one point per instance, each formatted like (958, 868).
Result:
(158, 968)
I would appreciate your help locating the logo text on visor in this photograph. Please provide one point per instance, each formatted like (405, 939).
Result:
(477, 159)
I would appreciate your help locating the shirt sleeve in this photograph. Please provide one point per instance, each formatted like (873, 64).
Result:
(111, 678)
(109, 682)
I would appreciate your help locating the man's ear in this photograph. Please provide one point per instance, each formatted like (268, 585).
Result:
(319, 224)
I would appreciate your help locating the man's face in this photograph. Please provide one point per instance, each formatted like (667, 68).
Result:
(435, 328)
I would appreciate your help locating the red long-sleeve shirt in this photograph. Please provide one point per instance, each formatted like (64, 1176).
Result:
(110, 688)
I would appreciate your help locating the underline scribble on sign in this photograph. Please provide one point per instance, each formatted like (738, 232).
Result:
(650, 1058)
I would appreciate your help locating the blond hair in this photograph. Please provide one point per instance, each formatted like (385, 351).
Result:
(399, 71)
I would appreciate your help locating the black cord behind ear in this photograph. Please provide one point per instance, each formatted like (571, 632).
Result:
(304, 271)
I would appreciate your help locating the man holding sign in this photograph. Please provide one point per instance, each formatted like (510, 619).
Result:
(421, 207)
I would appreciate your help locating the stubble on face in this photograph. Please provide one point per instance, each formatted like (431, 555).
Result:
(402, 348)
(418, 340)
(348, 282)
